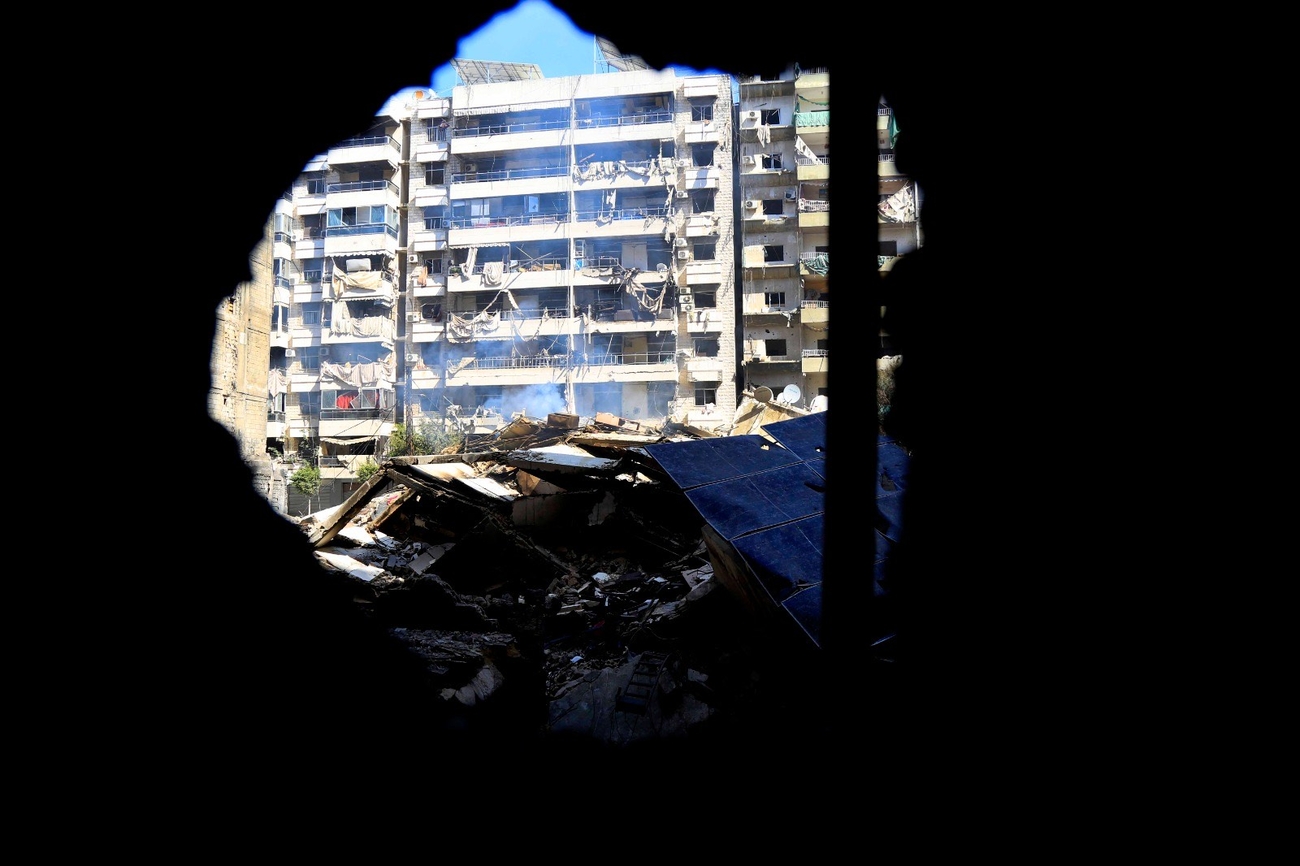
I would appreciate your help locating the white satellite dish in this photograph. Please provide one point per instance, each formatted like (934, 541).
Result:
(818, 403)
(662, 269)
(763, 394)
(790, 395)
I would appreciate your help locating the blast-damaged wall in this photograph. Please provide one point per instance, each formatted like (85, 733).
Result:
(241, 352)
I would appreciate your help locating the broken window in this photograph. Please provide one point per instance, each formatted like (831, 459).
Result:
(706, 347)
(702, 201)
(773, 206)
(706, 298)
(774, 348)
(772, 161)
(774, 300)
(705, 252)
(771, 116)
(702, 154)
(702, 111)
(706, 396)
(773, 253)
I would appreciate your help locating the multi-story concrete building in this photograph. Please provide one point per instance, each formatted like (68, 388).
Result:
(899, 204)
(784, 171)
(528, 245)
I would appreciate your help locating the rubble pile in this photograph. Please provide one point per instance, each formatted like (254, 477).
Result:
(555, 592)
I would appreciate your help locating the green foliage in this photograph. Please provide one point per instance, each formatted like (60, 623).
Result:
(306, 481)
(365, 470)
(428, 439)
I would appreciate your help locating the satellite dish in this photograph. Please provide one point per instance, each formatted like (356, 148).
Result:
(662, 269)
(763, 394)
(818, 403)
(789, 395)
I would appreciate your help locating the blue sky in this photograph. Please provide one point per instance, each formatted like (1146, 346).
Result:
(532, 32)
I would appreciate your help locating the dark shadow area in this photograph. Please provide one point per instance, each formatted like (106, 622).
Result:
(249, 661)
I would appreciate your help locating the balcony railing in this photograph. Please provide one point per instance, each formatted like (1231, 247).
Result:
(622, 213)
(510, 174)
(541, 263)
(370, 140)
(355, 414)
(627, 359)
(506, 128)
(813, 118)
(814, 305)
(627, 119)
(348, 231)
(363, 186)
(816, 353)
(487, 222)
(808, 160)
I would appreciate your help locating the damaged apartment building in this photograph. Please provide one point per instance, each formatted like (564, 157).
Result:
(633, 243)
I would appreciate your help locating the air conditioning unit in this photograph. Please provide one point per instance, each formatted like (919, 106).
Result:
(751, 115)
(293, 279)
(471, 166)
(751, 203)
(324, 351)
(289, 353)
(412, 317)
(791, 195)
(679, 242)
(412, 359)
(684, 291)
(747, 159)
(687, 306)
(683, 255)
(412, 259)
(681, 193)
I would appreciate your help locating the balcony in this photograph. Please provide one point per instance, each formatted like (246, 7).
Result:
(815, 265)
(370, 329)
(422, 330)
(424, 285)
(624, 174)
(613, 222)
(426, 378)
(626, 367)
(703, 272)
(815, 361)
(472, 183)
(815, 312)
(369, 148)
(544, 272)
(500, 133)
(812, 121)
(704, 369)
(502, 230)
(535, 370)
(810, 169)
(357, 240)
(703, 321)
(641, 124)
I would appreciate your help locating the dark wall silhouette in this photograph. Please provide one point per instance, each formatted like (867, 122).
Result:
(242, 635)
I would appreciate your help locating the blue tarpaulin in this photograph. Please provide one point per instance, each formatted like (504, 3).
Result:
(769, 501)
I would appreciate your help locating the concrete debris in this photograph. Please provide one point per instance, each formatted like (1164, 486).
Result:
(543, 627)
